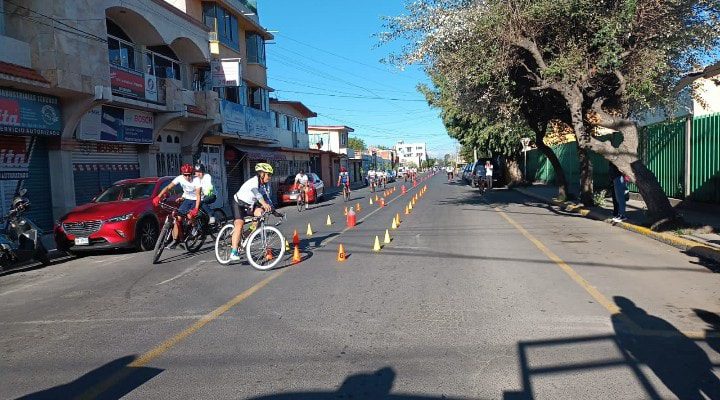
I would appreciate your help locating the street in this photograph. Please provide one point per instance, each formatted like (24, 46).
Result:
(482, 297)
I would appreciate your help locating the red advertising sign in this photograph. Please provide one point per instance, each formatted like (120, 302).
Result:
(127, 82)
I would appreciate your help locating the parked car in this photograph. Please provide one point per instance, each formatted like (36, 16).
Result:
(478, 172)
(122, 216)
(288, 190)
(466, 172)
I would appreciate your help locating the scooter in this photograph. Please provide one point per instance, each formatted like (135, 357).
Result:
(20, 239)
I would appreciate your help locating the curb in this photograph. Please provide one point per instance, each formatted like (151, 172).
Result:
(690, 247)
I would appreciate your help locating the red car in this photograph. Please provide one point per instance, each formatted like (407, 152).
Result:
(288, 190)
(122, 216)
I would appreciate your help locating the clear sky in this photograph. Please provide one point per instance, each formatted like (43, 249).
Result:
(325, 55)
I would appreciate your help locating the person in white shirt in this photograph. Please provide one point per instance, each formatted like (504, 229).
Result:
(449, 170)
(302, 179)
(372, 176)
(488, 174)
(190, 198)
(253, 198)
(208, 190)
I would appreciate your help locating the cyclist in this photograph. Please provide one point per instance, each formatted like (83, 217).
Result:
(190, 199)
(372, 176)
(302, 180)
(252, 199)
(208, 190)
(449, 170)
(344, 179)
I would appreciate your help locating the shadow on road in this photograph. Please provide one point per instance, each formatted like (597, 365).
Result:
(123, 378)
(375, 385)
(640, 339)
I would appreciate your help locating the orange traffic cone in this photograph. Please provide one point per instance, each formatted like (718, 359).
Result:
(296, 255)
(341, 257)
(357, 208)
(346, 211)
(296, 238)
(269, 254)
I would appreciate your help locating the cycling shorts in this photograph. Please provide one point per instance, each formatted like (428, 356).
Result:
(242, 210)
(186, 206)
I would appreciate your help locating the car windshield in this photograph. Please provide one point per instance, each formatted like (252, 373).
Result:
(290, 180)
(125, 192)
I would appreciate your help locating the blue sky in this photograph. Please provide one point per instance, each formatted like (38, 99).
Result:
(325, 55)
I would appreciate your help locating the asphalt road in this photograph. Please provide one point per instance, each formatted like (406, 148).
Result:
(493, 296)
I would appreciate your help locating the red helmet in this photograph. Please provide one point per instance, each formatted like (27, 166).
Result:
(186, 169)
(342, 169)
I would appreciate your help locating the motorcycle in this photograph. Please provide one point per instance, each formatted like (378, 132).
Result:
(20, 240)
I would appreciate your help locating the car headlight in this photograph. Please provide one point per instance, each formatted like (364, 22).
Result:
(120, 218)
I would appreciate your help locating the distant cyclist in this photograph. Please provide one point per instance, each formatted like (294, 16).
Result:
(301, 179)
(372, 177)
(344, 179)
(449, 170)
(190, 198)
(251, 200)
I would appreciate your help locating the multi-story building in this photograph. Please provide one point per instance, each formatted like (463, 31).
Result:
(411, 153)
(334, 141)
(116, 89)
(290, 121)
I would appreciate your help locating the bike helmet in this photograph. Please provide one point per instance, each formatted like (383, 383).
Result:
(343, 169)
(186, 169)
(199, 168)
(264, 167)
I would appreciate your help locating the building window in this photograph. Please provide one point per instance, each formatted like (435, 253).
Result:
(121, 53)
(283, 122)
(224, 23)
(259, 98)
(255, 48)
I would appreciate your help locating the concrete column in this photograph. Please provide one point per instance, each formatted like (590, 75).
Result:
(62, 182)
(147, 158)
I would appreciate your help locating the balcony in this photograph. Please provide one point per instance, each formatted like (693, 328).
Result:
(247, 123)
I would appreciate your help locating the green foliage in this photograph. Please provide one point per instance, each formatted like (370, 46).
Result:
(356, 144)
(599, 198)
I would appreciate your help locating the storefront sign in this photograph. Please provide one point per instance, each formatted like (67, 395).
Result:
(127, 82)
(246, 121)
(225, 72)
(151, 89)
(112, 124)
(14, 158)
(23, 113)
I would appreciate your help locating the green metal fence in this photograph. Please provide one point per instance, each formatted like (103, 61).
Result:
(705, 161)
(662, 149)
(540, 168)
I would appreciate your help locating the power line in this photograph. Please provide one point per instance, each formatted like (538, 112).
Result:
(88, 34)
(350, 97)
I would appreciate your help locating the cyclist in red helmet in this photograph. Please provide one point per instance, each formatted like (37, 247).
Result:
(191, 197)
(344, 178)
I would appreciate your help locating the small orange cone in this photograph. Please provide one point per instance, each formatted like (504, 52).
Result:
(407, 211)
(377, 247)
(397, 218)
(296, 238)
(376, 198)
(296, 255)
(341, 254)
(371, 203)
(387, 237)
(329, 221)
(346, 211)
(357, 208)
(309, 230)
(268, 254)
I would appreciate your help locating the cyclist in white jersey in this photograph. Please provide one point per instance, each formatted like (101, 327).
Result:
(252, 199)
(302, 179)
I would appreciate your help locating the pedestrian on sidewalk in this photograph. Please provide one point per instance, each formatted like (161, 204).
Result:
(617, 188)
(489, 174)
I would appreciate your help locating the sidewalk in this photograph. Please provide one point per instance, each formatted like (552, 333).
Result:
(704, 241)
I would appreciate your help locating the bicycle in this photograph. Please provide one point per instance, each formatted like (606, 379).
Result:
(197, 231)
(301, 200)
(264, 246)
(346, 192)
(372, 185)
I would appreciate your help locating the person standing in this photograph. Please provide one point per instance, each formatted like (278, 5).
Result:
(208, 190)
(489, 174)
(618, 193)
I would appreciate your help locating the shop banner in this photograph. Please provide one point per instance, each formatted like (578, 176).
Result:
(23, 113)
(14, 158)
(151, 89)
(112, 124)
(127, 82)
(225, 72)
(246, 121)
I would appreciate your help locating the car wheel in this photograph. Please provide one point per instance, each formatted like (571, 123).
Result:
(147, 234)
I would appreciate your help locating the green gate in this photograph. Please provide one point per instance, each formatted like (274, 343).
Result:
(705, 161)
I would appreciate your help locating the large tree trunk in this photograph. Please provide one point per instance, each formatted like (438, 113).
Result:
(586, 177)
(560, 179)
(512, 172)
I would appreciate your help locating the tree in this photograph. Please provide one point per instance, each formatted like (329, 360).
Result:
(357, 144)
(608, 60)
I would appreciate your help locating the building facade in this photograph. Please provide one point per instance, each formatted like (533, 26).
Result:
(333, 140)
(411, 153)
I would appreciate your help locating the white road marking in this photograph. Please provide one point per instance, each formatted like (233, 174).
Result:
(31, 285)
(187, 270)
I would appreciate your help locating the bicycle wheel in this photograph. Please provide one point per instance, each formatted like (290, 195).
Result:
(223, 244)
(346, 194)
(220, 219)
(265, 248)
(162, 240)
(195, 240)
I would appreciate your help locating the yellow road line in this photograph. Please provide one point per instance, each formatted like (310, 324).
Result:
(163, 347)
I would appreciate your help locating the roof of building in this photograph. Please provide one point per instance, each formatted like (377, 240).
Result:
(330, 128)
(306, 112)
(18, 71)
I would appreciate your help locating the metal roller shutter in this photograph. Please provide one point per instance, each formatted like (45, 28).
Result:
(96, 166)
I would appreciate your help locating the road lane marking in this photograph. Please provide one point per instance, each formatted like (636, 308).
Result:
(599, 297)
(187, 270)
(168, 344)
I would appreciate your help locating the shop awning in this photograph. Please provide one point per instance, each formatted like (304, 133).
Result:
(261, 153)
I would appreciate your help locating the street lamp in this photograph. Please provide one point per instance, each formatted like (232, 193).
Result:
(525, 142)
